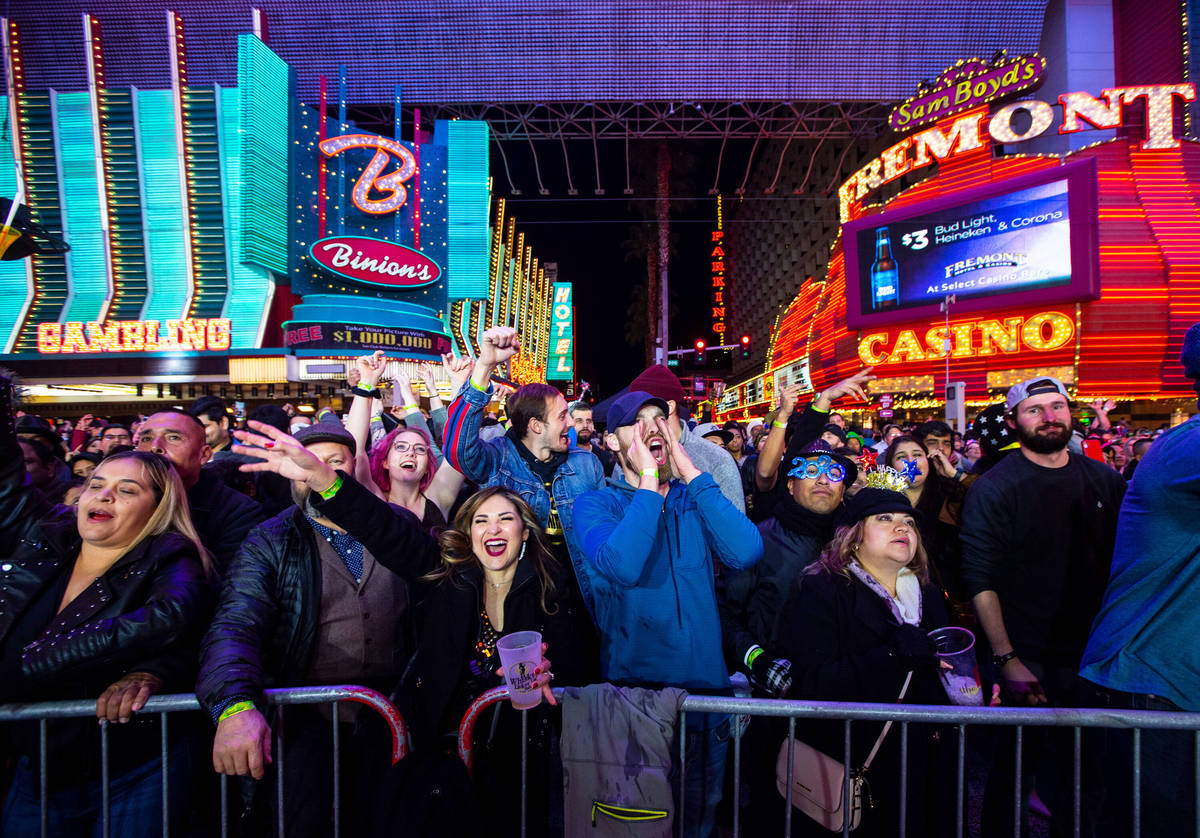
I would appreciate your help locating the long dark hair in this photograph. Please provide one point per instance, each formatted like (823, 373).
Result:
(458, 556)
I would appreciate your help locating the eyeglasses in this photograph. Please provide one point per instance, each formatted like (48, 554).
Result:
(404, 448)
(810, 469)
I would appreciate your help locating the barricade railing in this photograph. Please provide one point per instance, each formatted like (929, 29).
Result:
(903, 714)
(164, 705)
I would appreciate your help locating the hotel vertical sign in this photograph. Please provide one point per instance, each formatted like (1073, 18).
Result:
(561, 361)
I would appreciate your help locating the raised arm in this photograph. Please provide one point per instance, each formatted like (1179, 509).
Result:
(358, 422)
(462, 445)
(771, 454)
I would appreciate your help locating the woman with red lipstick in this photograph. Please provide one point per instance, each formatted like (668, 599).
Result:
(107, 599)
(855, 626)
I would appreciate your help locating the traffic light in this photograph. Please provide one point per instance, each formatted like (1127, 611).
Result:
(700, 353)
(745, 346)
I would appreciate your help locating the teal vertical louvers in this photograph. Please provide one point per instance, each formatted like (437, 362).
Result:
(467, 200)
(127, 235)
(264, 82)
(162, 206)
(250, 284)
(203, 162)
(43, 197)
(13, 287)
(82, 223)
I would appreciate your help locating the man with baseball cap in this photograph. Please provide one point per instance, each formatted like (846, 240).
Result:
(304, 602)
(1037, 534)
(649, 539)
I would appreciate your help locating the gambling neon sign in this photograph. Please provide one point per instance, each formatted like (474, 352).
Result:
(371, 178)
(191, 335)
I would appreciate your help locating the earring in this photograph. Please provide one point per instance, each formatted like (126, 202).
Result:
(521, 555)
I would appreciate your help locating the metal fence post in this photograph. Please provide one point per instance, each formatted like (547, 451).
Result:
(104, 798)
(166, 776)
(337, 775)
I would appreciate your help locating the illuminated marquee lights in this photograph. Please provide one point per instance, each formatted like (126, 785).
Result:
(1043, 332)
(717, 258)
(391, 183)
(966, 85)
(191, 335)
(965, 134)
(561, 364)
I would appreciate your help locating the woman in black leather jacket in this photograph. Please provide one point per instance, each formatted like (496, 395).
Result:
(105, 599)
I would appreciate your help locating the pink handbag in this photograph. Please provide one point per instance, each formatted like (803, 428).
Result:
(819, 780)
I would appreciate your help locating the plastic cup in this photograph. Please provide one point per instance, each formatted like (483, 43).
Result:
(956, 646)
(520, 652)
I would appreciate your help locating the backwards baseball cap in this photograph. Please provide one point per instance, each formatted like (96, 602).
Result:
(713, 429)
(1034, 387)
(329, 429)
(624, 411)
(836, 431)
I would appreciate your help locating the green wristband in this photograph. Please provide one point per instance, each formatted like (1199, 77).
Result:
(332, 490)
(752, 656)
(234, 709)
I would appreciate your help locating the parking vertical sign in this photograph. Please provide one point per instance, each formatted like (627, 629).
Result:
(560, 363)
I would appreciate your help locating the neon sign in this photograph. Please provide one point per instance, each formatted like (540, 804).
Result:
(717, 257)
(1042, 332)
(192, 335)
(374, 262)
(967, 134)
(966, 85)
(391, 183)
(562, 338)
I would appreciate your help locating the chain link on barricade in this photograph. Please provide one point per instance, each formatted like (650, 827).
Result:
(164, 705)
(1017, 718)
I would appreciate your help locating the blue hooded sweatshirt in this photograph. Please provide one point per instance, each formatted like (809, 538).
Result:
(649, 560)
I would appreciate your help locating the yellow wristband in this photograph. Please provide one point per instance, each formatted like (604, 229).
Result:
(483, 389)
(362, 385)
(775, 423)
(332, 490)
(412, 408)
(234, 709)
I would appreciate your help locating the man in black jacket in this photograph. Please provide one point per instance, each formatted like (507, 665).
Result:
(222, 516)
(304, 602)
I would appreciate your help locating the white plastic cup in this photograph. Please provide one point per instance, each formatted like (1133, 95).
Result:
(956, 646)
(520, 653)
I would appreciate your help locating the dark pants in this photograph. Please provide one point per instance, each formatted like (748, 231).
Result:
(1168, 771)
(1048, 753)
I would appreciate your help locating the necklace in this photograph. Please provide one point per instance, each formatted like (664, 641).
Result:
(495, 586)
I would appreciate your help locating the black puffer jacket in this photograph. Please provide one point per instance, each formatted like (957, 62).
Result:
(223, 516)
(144, 614)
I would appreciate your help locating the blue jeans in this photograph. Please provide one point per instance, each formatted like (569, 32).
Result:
(707, 744)
(135, 802)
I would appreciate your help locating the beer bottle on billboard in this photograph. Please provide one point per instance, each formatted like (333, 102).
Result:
(885, 276)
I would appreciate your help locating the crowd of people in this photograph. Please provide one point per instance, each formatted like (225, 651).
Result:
(800, 556)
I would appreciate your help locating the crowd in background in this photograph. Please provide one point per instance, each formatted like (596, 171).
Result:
(806, 556)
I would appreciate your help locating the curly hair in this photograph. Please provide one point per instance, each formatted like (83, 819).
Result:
(458, 555)
(840, 551)
(379, 457)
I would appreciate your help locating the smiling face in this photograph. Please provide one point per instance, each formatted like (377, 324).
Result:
(1043, 422)
(889, 538)
(907, 451)
(408, 457)
(115, 504)
(110, 438)
(552, 430)
(497, 534)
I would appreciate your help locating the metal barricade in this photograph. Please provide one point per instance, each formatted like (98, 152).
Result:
(164, 705)
(904, 714)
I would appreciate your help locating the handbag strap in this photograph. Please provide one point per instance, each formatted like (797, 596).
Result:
(886, 727)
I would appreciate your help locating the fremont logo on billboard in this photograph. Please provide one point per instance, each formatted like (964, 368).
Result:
(375, 262)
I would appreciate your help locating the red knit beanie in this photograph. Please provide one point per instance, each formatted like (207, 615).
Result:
(659, 381)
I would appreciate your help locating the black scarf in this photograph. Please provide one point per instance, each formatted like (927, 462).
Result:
(803, 522)
(544, 469)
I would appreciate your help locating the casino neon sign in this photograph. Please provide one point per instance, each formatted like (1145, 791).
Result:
(191, 335)
(372, 178)
(1042, 332)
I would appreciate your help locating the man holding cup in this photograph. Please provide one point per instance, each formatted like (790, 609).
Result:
(649, 539)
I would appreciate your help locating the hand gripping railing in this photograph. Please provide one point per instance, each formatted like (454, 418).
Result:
(165, 704)
(904, 715)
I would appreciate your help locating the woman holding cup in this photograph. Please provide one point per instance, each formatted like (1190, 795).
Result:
(856, 628)
(488, 576)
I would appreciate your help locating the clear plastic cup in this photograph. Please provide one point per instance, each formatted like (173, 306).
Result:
(956, 646)
(520, 653)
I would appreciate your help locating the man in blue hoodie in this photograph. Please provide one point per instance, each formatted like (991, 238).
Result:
(649, 538)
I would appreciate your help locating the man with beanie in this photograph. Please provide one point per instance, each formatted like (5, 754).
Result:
(1142, 653)
(303, 603)
(650, 539)
(1037, 536)
(709, 457)
(750, 600)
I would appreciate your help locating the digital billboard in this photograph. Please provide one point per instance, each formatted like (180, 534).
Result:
(1023, 242)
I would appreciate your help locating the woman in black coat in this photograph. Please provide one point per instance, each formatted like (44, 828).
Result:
(488, 575)
(854, 627)
(107, 599)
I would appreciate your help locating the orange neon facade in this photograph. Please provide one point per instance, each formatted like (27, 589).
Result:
(1124, 345)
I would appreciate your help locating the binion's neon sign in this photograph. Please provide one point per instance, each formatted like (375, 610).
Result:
(372, 178)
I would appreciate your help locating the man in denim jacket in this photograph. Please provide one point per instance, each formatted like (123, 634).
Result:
(534, 459)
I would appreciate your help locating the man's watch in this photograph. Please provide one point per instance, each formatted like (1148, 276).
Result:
(1001, 660)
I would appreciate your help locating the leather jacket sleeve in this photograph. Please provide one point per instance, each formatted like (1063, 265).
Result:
(20, 506)
(159, 629)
